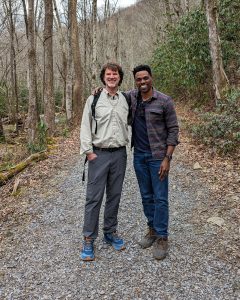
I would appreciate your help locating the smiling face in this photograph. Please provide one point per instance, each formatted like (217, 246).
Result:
(143, 82)
(111, 79)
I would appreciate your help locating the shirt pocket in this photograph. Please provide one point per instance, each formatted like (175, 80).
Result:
(156, 115)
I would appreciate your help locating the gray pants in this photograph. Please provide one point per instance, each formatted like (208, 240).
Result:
(107, 170)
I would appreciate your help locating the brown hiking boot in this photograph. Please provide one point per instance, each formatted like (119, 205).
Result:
(160, 248)
(148, 239)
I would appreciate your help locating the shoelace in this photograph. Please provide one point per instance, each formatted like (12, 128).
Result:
(116, 237)
(150, 234)
(161, 241)
(88, 245)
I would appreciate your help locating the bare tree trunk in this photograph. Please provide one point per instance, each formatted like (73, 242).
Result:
(105, 30)
(187, 5)
(117, 39)
(38, 18)
(48, 95)
(39, 11)
(94, 42)
(85, 42)
(25, 16)
(106, 9)
(62, 43)
(69, 78)
(69, 89)
(32, 106)
(178, 8)
(78, 84)
(219, 77)
(14, 68)
(168, 12)
(13, 99)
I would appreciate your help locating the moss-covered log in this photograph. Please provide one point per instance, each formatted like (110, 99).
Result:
(5, 176)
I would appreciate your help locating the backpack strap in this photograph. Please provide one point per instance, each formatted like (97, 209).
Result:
(128, 99)
(93, 107)
(83, 175)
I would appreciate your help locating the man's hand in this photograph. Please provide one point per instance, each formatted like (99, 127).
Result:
(91, 156)
(97, 90)
(164, 168)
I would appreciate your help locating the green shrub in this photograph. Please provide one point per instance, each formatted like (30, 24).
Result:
(41, 143)
(2, 139)
(220, 129)
(229, 27)
(58, 95)
(66, 132)
(182, 64)
(3, 101)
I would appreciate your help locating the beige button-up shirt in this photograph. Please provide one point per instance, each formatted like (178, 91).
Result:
(111, 114)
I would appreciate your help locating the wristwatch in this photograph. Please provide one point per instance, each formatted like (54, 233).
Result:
(169, 157)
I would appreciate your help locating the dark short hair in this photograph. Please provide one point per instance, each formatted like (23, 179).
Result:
(142, 68)
(114, 67)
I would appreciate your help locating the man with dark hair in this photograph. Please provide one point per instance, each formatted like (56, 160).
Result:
(105, 149)
(113, 66)
(154, 137)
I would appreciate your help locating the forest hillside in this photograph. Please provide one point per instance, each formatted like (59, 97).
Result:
(51, 53)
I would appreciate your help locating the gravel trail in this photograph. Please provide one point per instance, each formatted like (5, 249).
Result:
(41, 256)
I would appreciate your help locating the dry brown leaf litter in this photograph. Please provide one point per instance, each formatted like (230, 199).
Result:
(220, 174)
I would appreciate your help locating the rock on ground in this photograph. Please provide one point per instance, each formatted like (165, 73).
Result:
(40, 256)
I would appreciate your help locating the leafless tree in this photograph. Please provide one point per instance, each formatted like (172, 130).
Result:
(62, 42)
(219, 77)
(178, 8)
(168, 12)
(94, 42)
(69, 78)
(86, 36)
(48, 95)
(78, 84)
(13, 99)
(33, 115)
(187, 5)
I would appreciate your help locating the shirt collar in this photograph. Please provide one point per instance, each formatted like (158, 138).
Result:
(106, 91)
(154, 96)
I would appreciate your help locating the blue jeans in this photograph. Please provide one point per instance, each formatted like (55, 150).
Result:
(154, 192)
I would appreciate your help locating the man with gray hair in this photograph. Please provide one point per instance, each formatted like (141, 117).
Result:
(103, 139)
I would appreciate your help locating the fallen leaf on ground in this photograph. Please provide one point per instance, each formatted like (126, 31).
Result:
(216, 220)
(197, 166)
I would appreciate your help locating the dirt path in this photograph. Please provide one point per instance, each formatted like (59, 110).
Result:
(40, 248)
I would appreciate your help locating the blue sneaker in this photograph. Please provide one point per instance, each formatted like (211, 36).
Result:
(114, 240)
(87, 252)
